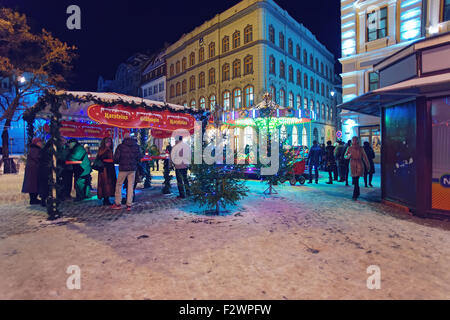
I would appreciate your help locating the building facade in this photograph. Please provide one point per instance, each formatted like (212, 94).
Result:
(252, 48)
(373, 30)
(153, 82)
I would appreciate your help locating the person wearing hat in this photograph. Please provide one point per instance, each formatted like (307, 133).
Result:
(82, 172)
(30, 180)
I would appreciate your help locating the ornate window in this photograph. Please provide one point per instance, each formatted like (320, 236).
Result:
(299, 78)
(172, 91)
(212, 76)
(291, 100)
(290, 47)
(236, 39)
(225, 44)
(317, 87)
(212, 50)
(212, 102)
(311, 84)
(322, 112)
(178, 88)
(271, 34)
(177, 68)
(191, 59)
(291, 74)
(305, 56)
(236, 68)
(237, 99)
(184, 87)
(225, 72)
(172, 70)
(311, 61)
(202, 103)
(193, 104)
(226, 101)
(201, 80)
(282, 98)
(192, 83)
(248, 34)
(201, 54)
(183, 64)
(249, 96)
(305, 81)
(282, 70)
(248, 65)
(281, 36)
(317, 65)
(272, 65)
(297, 53)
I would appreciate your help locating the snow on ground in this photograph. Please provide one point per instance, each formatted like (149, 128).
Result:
(307, 242)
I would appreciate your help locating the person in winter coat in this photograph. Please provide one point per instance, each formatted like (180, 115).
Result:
(107, 179)
(346, 163)
(44, 172)
(314, 160)
(30, 180)
(358, 159)
(181, 172)
(339, 153)
(82, 172)
(128, 155)
(330, 161)
(370, 170)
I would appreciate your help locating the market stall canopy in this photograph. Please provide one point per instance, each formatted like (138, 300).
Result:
(371, 102)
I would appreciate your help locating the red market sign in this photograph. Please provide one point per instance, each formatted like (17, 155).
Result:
(139, 118)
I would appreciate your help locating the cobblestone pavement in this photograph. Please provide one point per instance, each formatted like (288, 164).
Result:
(307, 242)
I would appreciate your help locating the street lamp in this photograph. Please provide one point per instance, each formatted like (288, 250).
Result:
(332, 93)
(22, 79)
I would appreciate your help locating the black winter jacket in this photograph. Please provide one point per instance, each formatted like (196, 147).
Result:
(128, 155)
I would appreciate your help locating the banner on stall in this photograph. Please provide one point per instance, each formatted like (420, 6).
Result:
(72, 129)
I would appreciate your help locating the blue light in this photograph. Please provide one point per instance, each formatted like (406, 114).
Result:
(408, 3)
(412, 13)
(348, 24)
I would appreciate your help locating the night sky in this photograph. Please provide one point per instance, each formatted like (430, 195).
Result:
(113, 30)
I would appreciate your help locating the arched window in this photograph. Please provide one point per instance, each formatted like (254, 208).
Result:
(226, 101)
(183, 64)
(321, 111)
(225, 72)
(282, 98)
(331, 113)
(201, 80)
(305, 81)
(291, 100)
(248, 136)
(283, 134)
(311, 84)
(317, 86)
(297, 52)
(172, 91)
(322, 87)
(236, 39)
(191, 59)
(212, 102)
(299, 102)
(202, 103)
(272, 65)
(185, 104)
(192, 83)
(249, 96)
(273, 93)
(177, 67)
(321, 68)
(311, 105)
(294, 136)
(271, 34)
(317, 110)
(299, 78)
(316, 134)
(184, 87)
(237, 99)
(317, 65)
(324, 113)
(305, 56)
(281, 36)
(291, 74)
(212, 76)
(212, 50)
(290, 47)
(178, 88)
(225, 44)
(282, 70)
(311, 61)
(304, 137)
(248, 65)
(248, 34)
(172, 70)
(305, 103)
(193, 104)
(236, 68)
(201, 54)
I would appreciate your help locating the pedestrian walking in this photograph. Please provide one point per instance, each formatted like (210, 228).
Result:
(30, 180)
(330, 161)
(181, 171)
(314, 160)
(370, 170)
(339, 153)
(346, 163)
(107, 179)
(128, 156)
(358, 159)
(82, 171)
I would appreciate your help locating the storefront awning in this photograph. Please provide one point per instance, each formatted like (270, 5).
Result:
(371, 103)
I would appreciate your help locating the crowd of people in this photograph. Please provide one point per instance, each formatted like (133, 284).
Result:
(342, 161)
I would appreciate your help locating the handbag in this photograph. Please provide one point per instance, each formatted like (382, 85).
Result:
(98, 165)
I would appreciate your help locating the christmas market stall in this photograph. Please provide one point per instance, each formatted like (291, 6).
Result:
(92, 114)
